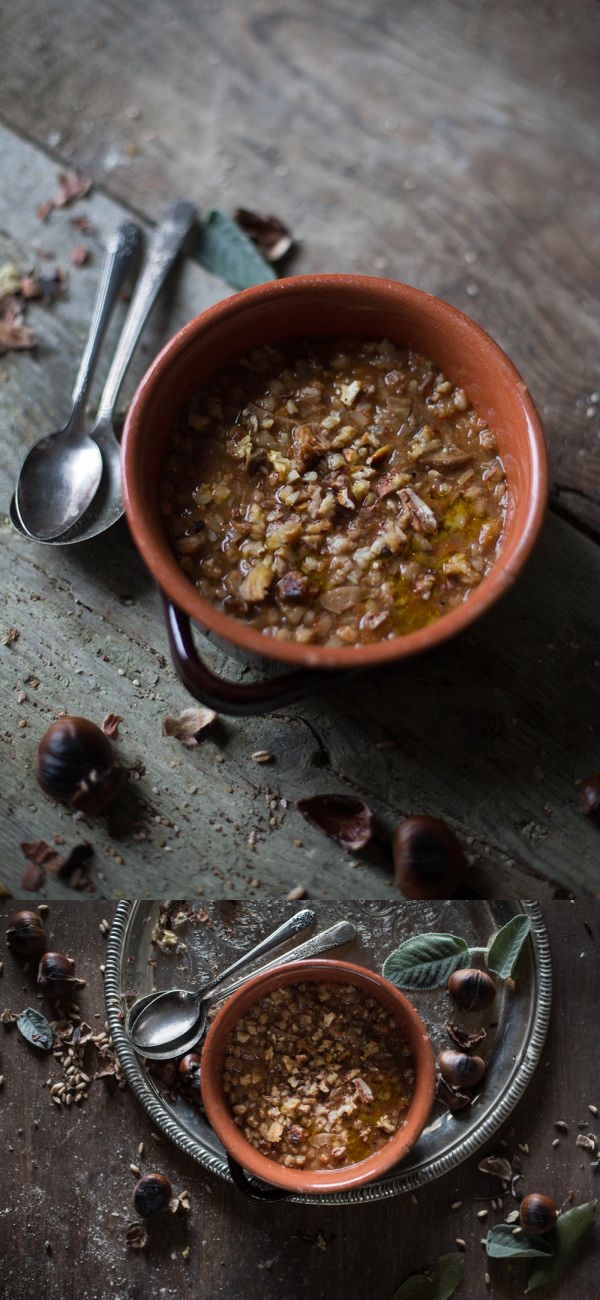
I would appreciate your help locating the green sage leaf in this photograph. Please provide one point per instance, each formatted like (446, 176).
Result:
(565, 1239)
(501, 1244)
(438, 1285)
(504, 950)
(35, 1028)
(224, 249)
(426, 961)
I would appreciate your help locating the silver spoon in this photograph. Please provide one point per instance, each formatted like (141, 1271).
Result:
(107, 506)
(338, 934)
(61, 473)
(159, 1019)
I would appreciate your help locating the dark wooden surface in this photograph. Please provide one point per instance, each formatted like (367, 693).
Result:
(67, 1181)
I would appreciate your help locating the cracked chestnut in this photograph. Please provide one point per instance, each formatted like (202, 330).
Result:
(538, 1214)
(461, 1070)
(188, 1075)
(472, 989)
(25, 934)
(152, 1194)
(75, 764)
(429, 861)
(55, 975)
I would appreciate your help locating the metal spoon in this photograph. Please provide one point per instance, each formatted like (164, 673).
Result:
(107, 506)
(338, 934)
(61, 473)
(162, 1018)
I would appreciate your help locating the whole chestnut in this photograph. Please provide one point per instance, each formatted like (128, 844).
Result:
(25, 934)
(472, 989)
(538, 1214)
(589, 796)
(75, 764)
(152, 1194)
(429, 861)
(189, 1077)
(461, 1070)
(55, 975)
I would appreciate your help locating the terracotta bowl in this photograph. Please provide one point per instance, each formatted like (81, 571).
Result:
(241, 1154)
(323, 305)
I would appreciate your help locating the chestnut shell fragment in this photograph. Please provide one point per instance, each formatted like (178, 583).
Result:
(343, 817)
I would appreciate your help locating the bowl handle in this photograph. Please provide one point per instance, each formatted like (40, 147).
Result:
(253, 1190)
(237, 698)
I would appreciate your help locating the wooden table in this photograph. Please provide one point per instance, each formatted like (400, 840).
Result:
(433, 143)
(67, 1182)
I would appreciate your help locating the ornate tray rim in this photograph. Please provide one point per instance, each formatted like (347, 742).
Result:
(377, 1191)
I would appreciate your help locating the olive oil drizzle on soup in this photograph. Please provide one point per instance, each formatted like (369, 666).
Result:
(333, 492)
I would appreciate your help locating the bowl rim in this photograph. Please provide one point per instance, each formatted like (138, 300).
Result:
(259, 1166)
(180, 590)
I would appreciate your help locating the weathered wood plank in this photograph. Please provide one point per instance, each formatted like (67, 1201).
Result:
(429, 142)
(70, 1182)
(491, 734)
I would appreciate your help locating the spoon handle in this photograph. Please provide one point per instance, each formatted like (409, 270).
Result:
(121, 251)
(167, 243)
(341, 932)
(294, 925)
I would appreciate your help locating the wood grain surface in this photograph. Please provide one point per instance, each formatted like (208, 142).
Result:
(492, 735)
(65, 1192)
(449, 144)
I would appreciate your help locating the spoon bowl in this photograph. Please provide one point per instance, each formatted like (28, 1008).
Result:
(60, 474)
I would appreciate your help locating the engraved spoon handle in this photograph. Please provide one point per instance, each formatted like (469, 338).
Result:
(121, 250)
(294, 925)
(341, 932)
(166, 244)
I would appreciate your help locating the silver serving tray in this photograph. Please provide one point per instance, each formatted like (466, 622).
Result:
(516, 1023)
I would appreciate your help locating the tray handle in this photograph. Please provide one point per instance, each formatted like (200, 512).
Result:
(241, 699)
(254, 1191)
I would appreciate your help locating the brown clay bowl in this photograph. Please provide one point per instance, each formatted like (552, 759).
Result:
(241, 1153)
(323, 305)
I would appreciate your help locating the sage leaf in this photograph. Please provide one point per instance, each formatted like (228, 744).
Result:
(500, 1243)
(565, 1239)
(35, 1028)
(224, 249)
(426, 961)
(504, 950)
(438, 1285)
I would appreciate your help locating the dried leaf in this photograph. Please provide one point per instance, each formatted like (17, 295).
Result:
(463, 1039)
(498, 1167)
(426, 961)
(15, 336)
(190, 725)
(10, 280)
(48, 861)
(136, 1236)
(110, 726)
(35, 1028)
(271, 237)
(71, 186)
(33, 877)
(79, 255)
(344, 818)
